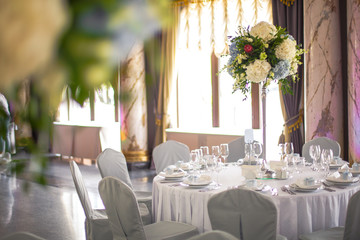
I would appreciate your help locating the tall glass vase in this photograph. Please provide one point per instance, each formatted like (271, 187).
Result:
(263, 105)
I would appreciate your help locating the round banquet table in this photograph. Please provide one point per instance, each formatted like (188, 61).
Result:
(297, 214)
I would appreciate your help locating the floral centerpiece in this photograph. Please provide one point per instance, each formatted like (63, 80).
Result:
(264, 52)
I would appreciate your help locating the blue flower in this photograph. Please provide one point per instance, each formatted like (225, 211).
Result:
(281, 70)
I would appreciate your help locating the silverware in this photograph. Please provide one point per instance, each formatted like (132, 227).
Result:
(327, 184)
(287, 189)
(329, 189)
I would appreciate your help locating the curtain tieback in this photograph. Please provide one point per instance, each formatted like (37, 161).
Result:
(159, 118)
(287, 2)
(297, 123)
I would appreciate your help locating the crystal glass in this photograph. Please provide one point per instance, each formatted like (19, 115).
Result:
(215, 151)
(289, 148)
(326, 156)
(281, 151)
(224, 151)
(257, 150)
(248, 150)
(314, 152)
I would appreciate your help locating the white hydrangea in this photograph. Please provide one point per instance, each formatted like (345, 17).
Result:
(286, 50)
(257, 71)
(263, 30)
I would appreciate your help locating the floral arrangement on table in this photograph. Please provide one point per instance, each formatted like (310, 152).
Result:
(263, 53)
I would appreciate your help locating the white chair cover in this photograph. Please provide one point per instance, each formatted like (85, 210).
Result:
(351, 231)
(352, 223)
(214, 235)
(169, 153)
(236, 149)
(96, 222)
(244, 213)
(112, 163)
(325, 143)
(22, 236)
(123, 211)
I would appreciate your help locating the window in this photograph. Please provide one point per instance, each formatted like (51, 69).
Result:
(104, 108)
(191, 100)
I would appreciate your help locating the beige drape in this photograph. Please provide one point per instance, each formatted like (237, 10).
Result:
(168, 47)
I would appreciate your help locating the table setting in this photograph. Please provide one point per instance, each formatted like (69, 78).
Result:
(296, 186)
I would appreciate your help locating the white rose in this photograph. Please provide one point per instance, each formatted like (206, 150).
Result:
(264, 31)
(257, 71)
(286, 50)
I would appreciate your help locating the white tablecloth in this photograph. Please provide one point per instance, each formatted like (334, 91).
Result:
(297, 214)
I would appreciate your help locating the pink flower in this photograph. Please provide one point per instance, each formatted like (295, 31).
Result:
(248, 48)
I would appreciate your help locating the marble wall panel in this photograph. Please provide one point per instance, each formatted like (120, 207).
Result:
(323, 74)
(353, 23)
(134, 112)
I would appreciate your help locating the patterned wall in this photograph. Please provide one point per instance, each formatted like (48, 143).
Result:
(323, 73)
(133, 112)
(353, 23)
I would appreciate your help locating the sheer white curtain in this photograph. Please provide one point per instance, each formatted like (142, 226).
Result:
(204, 28)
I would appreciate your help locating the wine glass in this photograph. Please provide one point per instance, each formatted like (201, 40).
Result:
(314, 152)
(248, 150)
(289, 148)
(215, 150)
(326, 156)
(281, 151)
(218, 165)
(224, 151)
(257, 149)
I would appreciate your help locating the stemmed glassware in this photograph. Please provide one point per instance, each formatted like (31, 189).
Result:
(248, 150)
(257, 150)
(326, 157)
(314, 152)
(218, 164)
(281, 151)
(289, 148)
(224, 151)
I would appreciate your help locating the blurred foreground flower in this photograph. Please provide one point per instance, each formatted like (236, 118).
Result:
(29, 33)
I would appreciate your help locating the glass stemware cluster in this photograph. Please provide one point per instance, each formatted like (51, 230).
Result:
(202, 160)
(252, 152)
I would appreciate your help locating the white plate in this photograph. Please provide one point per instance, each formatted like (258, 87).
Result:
(341, 181)
(312, 188)
(335, 166)
(350, 170)
(202, 181)
(173, 175)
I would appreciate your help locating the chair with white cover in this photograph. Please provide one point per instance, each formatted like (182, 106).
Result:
(325, 143)
(214, 235)
(168, 153)
(96, 223)
(351, 231)
(244, 213)
(22, 236)
(236, 149)
(112, 163)
(125, 221)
